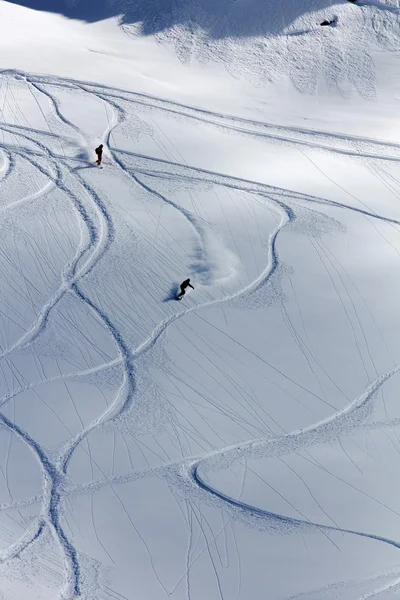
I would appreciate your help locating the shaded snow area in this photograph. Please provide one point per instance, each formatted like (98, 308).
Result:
(243, 442)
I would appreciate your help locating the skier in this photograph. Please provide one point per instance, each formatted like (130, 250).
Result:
(99, 152)
(184, 285)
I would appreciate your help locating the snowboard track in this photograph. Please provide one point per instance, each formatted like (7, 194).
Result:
(97, 235)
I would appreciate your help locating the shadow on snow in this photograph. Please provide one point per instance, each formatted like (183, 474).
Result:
(220, 19)
(173, 293)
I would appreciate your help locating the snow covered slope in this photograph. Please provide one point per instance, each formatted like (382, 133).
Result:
(243, 442)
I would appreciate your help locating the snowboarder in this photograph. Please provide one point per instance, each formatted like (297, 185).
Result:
(99, 152)
(184, 285)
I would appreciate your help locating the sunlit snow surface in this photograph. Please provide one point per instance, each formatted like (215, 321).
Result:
(243, 442)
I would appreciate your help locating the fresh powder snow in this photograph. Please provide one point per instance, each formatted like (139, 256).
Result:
(243, 442)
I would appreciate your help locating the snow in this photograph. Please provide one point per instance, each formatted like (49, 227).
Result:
(244, 441)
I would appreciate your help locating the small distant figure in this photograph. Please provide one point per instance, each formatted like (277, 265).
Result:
(184, 285)
(325, 23)
(99, 152)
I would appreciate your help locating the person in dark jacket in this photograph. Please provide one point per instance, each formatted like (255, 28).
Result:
(99, 152)
(184, 285)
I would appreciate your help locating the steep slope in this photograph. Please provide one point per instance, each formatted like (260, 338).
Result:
(244, 441)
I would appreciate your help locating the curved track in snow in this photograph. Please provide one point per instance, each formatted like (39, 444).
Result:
(97, 234)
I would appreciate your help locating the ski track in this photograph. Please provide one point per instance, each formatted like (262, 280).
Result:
(351, 417)
(99, 240)
(7, 166)
(99, 235)
(118, 118)
(219, 119)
